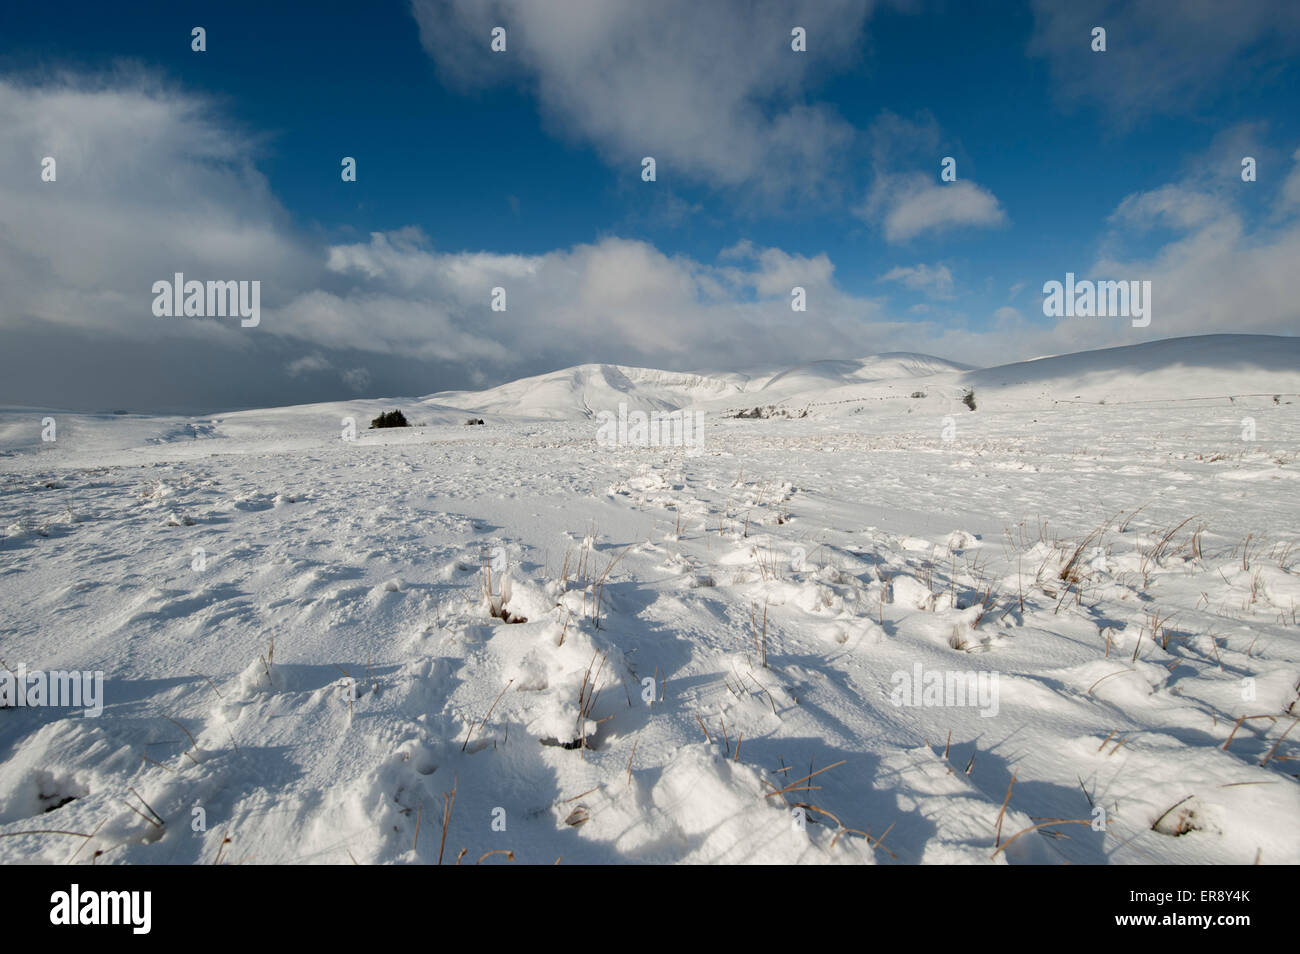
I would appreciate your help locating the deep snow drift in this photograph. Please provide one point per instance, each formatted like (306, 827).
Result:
(839, 632)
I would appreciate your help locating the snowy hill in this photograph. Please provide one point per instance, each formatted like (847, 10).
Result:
(580, 392)
(1183, 369)
(1203, 368)
(1174, 369)
(881, 367)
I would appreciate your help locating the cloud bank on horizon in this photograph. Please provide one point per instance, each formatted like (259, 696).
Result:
(910, 218)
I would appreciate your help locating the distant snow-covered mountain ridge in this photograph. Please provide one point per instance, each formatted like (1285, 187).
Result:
(1182, 369)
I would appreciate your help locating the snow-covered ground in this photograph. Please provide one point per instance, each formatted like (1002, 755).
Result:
(724, 653)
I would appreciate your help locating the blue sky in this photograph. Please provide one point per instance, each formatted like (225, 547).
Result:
(521, 170)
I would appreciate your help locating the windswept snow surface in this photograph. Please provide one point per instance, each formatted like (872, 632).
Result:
(300, 659)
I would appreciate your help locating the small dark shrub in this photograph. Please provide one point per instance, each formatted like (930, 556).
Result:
(390, 419)
(474, 420)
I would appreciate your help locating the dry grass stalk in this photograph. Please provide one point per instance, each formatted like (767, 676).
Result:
(635, 743)
(1118, 672)
(472, 726)
(1278, 742)
(1244, 718)
(1003, 811)
(1070, 572)
(448, 802)
(791, 786)
(210, 682)
(705, 728)
(807, 806)
(187, 733)
(588, 694)
(1045, 824)
(1155, 554)
(1155, 825)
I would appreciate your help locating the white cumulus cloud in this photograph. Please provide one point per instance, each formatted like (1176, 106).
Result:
(712, 90)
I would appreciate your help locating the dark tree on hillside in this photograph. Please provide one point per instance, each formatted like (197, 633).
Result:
(390, 419)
